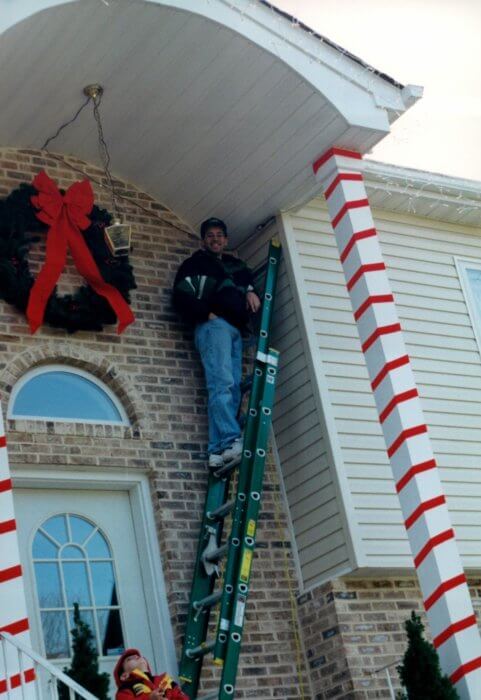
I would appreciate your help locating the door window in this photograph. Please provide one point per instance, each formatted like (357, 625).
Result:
(73, 563)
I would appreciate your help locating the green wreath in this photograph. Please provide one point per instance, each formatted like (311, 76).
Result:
(84, 310)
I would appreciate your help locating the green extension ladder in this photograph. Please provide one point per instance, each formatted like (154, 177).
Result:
(244, 508)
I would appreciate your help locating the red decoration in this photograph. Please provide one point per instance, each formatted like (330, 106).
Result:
(175, 694)
(67, 216)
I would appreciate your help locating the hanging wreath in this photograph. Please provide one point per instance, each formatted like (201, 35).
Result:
(71, 222)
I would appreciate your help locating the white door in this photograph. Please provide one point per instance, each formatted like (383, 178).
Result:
(80, 546)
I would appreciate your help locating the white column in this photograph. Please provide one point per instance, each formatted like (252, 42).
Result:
(443, 583)
(13, 610)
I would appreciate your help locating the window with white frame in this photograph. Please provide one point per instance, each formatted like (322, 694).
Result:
(73, 564)
(469, 271)
(64, 393)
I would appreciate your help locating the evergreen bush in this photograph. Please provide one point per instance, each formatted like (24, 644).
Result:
(420, 672)
(85, 663)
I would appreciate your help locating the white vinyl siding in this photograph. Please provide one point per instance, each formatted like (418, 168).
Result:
(314, 507)
(420, 260)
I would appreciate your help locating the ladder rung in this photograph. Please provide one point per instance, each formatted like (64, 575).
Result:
(208, 601)
(227, 468)
(222, 511)
(201, 650)
(246, 385)
(216, 554)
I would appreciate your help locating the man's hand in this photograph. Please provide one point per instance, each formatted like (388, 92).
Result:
(157, 694)
(211, 316)
(253, 303)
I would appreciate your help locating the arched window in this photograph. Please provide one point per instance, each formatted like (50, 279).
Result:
(63, 393)
(73, 564)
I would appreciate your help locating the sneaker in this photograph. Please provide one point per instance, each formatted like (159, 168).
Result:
(233, 454)
(216, 461)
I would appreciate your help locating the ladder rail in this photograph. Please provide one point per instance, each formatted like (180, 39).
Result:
(232, 563)
(202, 588)
(246, 466)
(248, 539)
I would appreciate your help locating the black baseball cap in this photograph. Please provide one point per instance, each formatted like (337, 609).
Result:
(213, 222)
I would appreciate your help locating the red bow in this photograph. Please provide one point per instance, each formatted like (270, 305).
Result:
(67, 216)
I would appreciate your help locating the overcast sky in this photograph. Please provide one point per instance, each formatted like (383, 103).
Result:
(434, 43)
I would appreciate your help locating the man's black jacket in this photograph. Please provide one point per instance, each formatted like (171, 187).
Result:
(205, 283)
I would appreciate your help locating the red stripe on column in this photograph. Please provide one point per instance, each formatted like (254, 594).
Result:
(5, 485)
(16, 627)
(375, 299)
(16, 680)
(388, 367)
(368, 233)
(433, 542)
(335, 152)
(382, 330)
(422, 508)
(3, 441)
(339, 178)
(443, 588)
(10, 573)
(413, 471)
(399, 398)
(371, 267)
(405, 435)
(465, 669)
(453, 629)
(29, 675)
(353, 204)
(7, 526)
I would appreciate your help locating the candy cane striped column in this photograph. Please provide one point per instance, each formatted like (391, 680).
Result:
(13, 611)
(431, 536)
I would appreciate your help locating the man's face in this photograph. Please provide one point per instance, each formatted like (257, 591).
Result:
(215, 240)
(135, 661)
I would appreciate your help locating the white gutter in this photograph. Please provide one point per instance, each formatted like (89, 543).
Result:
(460, 199)
(378, 173)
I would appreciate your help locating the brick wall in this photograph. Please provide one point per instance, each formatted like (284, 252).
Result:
(352, 627)
(155, 372)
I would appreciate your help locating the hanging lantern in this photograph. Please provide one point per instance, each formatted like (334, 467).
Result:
(118, 237)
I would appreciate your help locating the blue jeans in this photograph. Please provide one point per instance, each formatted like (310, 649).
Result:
(220, 348)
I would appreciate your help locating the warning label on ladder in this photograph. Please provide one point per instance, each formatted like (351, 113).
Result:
(246, 565)
(239, 611)
(224, 624)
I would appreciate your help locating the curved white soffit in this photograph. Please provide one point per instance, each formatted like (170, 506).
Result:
(363, 98)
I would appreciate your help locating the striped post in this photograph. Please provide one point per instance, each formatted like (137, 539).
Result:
(438, 565)
(14, 671)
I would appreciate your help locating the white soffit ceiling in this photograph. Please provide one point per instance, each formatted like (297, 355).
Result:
(212, 107)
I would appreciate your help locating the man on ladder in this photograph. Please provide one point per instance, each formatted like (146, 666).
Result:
(231, 291)
(214, 291)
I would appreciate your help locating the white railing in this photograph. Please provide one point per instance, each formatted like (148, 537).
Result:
(46, 674)
(386, 670)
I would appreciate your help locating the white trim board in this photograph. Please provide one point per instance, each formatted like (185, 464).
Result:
(474, 311)
(321, 394)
